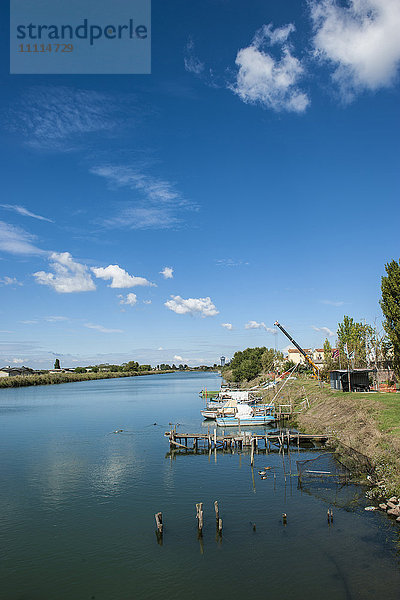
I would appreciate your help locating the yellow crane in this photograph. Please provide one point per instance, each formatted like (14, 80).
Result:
(300, 349)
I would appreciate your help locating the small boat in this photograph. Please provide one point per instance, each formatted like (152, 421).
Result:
(245, 415)
(214, 409)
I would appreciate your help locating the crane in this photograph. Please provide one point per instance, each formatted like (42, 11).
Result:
(300, 349)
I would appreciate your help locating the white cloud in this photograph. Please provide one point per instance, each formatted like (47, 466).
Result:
(227, 326)
(18, 361)
(16, 240)
(119, 277)
(178, 358)
(361, 40)
(261, 325)
(55, 319)
(9, 281)
(325, 330)
(230, 262)
(68, 277)
(266, 80)
(21, 210)
(167, 272)
(333, 302)
(102, 329)
(154, 189)
(192, 63)
(58, 118)
(159, 205)
(130, 299)
(160, 348)
(193, 306)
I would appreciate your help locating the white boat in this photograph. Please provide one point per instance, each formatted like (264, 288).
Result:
(214, 409)
(246, 415)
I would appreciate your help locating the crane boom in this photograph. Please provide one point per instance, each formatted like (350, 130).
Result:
(300, 349)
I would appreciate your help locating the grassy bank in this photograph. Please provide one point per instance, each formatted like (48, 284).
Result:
(366, 422)
(56, 378)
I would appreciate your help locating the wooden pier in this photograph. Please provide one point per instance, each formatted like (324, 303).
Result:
(267, 441)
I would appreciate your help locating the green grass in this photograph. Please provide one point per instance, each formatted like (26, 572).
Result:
(389, 418)
(57, 378)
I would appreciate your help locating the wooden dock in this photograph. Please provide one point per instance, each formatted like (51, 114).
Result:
(267, 441)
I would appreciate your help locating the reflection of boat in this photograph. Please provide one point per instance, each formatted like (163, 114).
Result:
(246, 415)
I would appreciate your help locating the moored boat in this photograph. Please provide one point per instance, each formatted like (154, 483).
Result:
(245, 415)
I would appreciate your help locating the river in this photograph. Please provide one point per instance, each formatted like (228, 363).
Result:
(77, 506)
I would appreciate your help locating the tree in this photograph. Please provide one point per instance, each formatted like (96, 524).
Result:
(390, 304)
(80, 370)
(271, 360)
(355, 336)
(287, 365)
(57, 363)
(330, 363)
(132, 365)
(247, 364)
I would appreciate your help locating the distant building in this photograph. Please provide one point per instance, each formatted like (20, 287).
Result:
(296, 356)
(14, 371)
(222, 359)
(317, 355)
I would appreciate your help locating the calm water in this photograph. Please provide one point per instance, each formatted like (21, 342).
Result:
(77, 506)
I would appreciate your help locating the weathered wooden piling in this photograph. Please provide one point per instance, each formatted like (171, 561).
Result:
(216, 508)
(159, 522)
(199, 516)
(219, 526)
(252, 453)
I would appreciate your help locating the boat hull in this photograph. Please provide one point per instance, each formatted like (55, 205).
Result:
(246, 421)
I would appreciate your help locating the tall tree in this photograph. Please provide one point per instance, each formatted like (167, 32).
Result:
(330, 363)
(57, 363)
(390, 304)
(355, 336)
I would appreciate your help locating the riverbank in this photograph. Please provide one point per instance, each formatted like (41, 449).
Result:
(366, 422)
(57, 378)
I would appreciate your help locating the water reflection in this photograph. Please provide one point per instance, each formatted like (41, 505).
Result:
(77, 506)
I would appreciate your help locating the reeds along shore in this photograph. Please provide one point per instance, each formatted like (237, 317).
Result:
(55, 378)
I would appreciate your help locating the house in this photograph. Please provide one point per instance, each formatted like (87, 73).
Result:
(296, 356)
(14, 371)
(317, 356)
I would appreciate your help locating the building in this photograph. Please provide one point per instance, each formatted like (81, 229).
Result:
(317, 356)
(15, 371)
(296, 356)
(222, 359)
(359, 380)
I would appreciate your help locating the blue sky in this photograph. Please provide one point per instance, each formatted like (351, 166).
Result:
(173, 217)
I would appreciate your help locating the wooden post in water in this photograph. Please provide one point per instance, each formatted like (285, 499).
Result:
(252, 452)
(199, 517)
(216, 510)
(220, 526)
(159, 523)
(215, 438)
